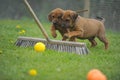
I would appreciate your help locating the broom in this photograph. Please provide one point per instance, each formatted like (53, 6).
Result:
(62, 46)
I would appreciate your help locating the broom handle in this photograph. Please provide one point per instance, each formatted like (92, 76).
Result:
(79, 11)
(36, 20)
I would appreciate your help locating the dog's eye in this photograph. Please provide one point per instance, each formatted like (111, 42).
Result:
(53, 16)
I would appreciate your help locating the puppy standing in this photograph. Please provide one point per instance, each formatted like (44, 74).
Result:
(84, 28)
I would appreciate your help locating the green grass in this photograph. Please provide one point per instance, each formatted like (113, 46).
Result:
(15, 62)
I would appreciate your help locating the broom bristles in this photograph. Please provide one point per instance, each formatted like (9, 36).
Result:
(62, 46)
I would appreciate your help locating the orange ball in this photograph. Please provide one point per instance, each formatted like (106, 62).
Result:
(96, 74)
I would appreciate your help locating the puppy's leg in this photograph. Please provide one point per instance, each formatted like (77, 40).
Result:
(62, 34)
(72, 39)
(65, 37)
(93, 42)
(53, 31)
(74, 34)
(104, 40)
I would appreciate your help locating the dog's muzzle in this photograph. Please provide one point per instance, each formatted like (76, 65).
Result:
(63, 25)
(54, 23)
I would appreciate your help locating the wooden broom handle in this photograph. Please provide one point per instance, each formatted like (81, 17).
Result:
(79, 11)
(36, 20)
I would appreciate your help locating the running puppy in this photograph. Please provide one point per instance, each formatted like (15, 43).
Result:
(84, 28)
(55, 16)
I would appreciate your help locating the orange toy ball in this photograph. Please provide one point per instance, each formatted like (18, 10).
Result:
(96, 74)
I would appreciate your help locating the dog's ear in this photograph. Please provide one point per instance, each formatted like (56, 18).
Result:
(74, 16)
(50, 16)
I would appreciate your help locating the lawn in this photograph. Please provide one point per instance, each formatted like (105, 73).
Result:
(15, 62)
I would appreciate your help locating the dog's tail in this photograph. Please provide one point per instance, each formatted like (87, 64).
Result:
(100, 19)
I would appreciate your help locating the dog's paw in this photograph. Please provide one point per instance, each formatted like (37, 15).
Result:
(54, 35)
(64, 39)
(67, 35)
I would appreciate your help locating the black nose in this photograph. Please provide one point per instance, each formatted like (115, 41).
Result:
(63, 25)
(54, 22)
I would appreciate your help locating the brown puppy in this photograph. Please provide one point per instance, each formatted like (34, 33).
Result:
(55, 16)
(84, 28)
